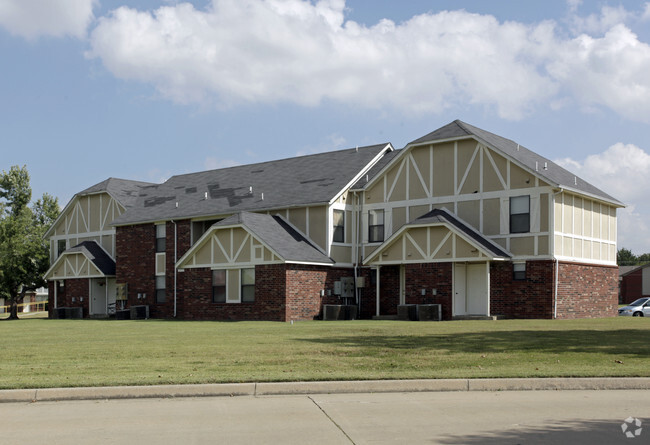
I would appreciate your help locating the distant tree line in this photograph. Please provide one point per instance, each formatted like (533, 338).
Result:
(625, 257)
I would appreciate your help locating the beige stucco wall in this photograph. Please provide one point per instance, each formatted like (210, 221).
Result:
(87, 218)
(470, 180)
(585, 229)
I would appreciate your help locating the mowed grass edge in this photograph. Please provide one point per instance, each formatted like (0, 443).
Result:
(70, 353)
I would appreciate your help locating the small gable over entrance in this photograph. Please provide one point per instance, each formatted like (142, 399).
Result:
(437, 236)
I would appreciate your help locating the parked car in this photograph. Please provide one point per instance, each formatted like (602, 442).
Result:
(638, 308)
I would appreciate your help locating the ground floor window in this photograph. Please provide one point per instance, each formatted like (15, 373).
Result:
(219, 286)
(519, 271)
(161, 296)
(248, 285)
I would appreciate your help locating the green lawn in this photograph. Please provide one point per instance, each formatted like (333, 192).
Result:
(62, 353)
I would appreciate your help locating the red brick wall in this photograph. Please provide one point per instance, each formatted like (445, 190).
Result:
(632, 287)
(135, 260)
(529, 298)
(269, 301)
(305, 283)
(136, 264)
(77, 288)
(429, 276)
(587, 291)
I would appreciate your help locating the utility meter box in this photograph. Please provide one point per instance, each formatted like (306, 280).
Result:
(347, 287)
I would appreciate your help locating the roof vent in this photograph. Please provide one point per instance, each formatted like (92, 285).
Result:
(262, 196)
(545, 165)
(205, 196)
(517, 147)
(250, 190)
(357, 149)
(536, 166)
(575, 180)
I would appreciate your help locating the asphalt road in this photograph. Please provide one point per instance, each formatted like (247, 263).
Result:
(504, 417)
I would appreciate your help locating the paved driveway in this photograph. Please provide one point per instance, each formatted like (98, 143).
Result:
(530, 417)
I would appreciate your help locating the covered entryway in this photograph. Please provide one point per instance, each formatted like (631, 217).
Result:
(102, 296)
(471, 289)
(90, 261)
(453, 262)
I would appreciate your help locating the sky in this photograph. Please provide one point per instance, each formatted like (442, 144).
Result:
(147, 89)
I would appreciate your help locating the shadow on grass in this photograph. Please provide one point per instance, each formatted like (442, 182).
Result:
(567, 432)
(629, 342)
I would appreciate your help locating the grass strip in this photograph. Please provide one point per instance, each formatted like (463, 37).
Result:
(41, 353)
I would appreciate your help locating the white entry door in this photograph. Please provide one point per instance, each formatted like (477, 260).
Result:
(460, 286)
(98, 296)
(471, 289)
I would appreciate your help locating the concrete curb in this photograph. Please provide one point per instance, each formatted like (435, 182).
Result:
(335, 387)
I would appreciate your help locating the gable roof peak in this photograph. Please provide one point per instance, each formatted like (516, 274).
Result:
(538, 165)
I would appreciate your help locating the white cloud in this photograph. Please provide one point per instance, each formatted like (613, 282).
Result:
(599, 23)
(307, 53)
(34, 18)
(622, 171)
(611, 71)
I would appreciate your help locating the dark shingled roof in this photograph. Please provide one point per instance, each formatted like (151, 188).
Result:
(123, 190)
(554, 174)
(97, 255)
(298, 181)
(436, 216)
(279, 235)
(379, 166)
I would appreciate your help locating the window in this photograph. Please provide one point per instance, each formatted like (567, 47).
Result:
(200, 227)
(219, 286)
(60, 247)
(248, 285)
(520, 214)
(161, 235)
(375, 226)
(339, 226)
(160, 290)
(519, 271)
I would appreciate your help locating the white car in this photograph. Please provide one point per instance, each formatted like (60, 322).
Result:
(638, 308)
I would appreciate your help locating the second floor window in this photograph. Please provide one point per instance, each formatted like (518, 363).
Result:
(338, 217)
(161, 235)
(520, 214)
(375, 226)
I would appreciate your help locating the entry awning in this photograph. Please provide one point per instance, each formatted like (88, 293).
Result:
(248, 239)
(85, 260)
(438, 236)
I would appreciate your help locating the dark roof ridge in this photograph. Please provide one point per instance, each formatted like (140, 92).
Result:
(289, 158)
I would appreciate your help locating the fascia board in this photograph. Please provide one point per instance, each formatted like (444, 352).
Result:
(489, 255)
(617, 204)
(208, 233)
(64, 254)
(363, 171)
(74, 199)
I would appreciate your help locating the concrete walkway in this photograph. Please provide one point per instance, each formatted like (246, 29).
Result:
(335, 387)
(436, 417)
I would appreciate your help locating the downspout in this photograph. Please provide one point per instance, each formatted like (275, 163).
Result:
(557, 262)
(557, 279)
(356, 253)
(175, 260)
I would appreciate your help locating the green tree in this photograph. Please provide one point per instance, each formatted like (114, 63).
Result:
(643, 258)
(24, 253)
(625, 257)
